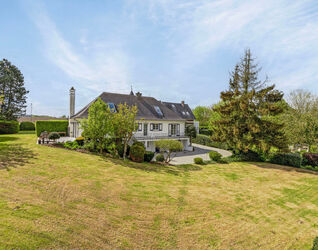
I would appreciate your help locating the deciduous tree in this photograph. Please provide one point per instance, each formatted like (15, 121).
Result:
(125, 123)
(98, 127)
(14, 93)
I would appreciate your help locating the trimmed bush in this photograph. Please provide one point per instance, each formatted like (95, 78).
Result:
(288, 159)
(139, 143)
(160, 158)
(137, 153)
(310, 159)
(9, 127)
(27, 126)
(51, 126)
(149, 156)
(80, 140)
(54, 136)
(198, 160)
(206, 140)
(71, 145)
(315, 244)
(215, 156)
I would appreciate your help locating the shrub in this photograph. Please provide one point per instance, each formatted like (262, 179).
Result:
(9, 127)
(198, 160)
(27, 126)
(71, 145)
(315, 244)
(139, 143)
(205, 130)
(51, 126)
(137, 153)
(310, 159)
(215, 156)
(289, 159)
(309, 167)
(160, 157)
(149, 156)
(53, 136)
(80, 140)
(120, 150)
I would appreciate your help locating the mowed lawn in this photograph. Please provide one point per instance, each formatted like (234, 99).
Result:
(56, 198)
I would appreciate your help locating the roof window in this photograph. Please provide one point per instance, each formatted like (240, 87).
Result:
(158, 110)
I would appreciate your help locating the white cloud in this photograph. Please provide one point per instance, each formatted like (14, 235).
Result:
(282, 33)
(105, 69)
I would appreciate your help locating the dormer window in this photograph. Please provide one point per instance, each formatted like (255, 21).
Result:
(183, 113)
(158, 110)
(112, 107)
(188, 113)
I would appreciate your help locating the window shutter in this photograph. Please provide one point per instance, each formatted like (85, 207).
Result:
(178, 129)
(151, 126)
(169, 129)
(160, 126)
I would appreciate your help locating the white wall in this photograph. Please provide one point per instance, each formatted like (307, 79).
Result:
(165, 130)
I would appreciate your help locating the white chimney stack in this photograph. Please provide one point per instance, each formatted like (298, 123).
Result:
(72, 102)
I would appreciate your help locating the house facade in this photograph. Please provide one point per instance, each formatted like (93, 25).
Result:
(156, 120)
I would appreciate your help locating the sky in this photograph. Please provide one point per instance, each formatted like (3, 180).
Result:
(171, 50)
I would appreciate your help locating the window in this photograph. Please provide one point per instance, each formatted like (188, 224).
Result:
(156, 127)
(139, 126)
(174, 129)
(188, 113)
(183, 112)
(112, 107)
(158, 110)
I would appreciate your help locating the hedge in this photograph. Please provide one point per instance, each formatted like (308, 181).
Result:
(288, 159)
(27, 126)
(310, 159)
(205, 130)
(51, 126)
(9, 127)
(148, 156)
(206, 140)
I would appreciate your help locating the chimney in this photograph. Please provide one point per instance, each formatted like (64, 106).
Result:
(72, 102)
(182, 103)
(138, 94)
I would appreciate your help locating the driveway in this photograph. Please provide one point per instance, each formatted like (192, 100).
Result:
(186, 157)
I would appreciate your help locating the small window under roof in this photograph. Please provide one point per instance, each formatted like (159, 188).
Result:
(183, 112)
(188, 113)
(158, 110)
(112, 107)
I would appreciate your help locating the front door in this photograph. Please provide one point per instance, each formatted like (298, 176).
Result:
(145, 129)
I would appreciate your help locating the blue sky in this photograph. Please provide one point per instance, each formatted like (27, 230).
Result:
(172, 50)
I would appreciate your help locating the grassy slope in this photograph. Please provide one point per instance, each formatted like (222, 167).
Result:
(52, 197)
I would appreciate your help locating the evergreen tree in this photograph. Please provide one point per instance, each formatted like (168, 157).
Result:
(14, 93)
(248, 111)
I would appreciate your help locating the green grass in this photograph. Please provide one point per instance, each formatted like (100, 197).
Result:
(55, 198)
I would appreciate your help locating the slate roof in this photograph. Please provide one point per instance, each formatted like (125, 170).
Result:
(146, 107)
(183, 110)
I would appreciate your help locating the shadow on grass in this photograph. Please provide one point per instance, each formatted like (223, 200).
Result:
(152, 167)
(14, 155)
(283, 168)
(8, 138)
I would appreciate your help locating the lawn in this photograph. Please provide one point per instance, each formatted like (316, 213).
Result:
(56, 198)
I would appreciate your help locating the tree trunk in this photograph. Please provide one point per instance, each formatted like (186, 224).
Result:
(125, 149)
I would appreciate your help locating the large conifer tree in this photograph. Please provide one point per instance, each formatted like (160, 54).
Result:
(249, 110)
(13, 91)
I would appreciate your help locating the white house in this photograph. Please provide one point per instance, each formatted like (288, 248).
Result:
(156, 120)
